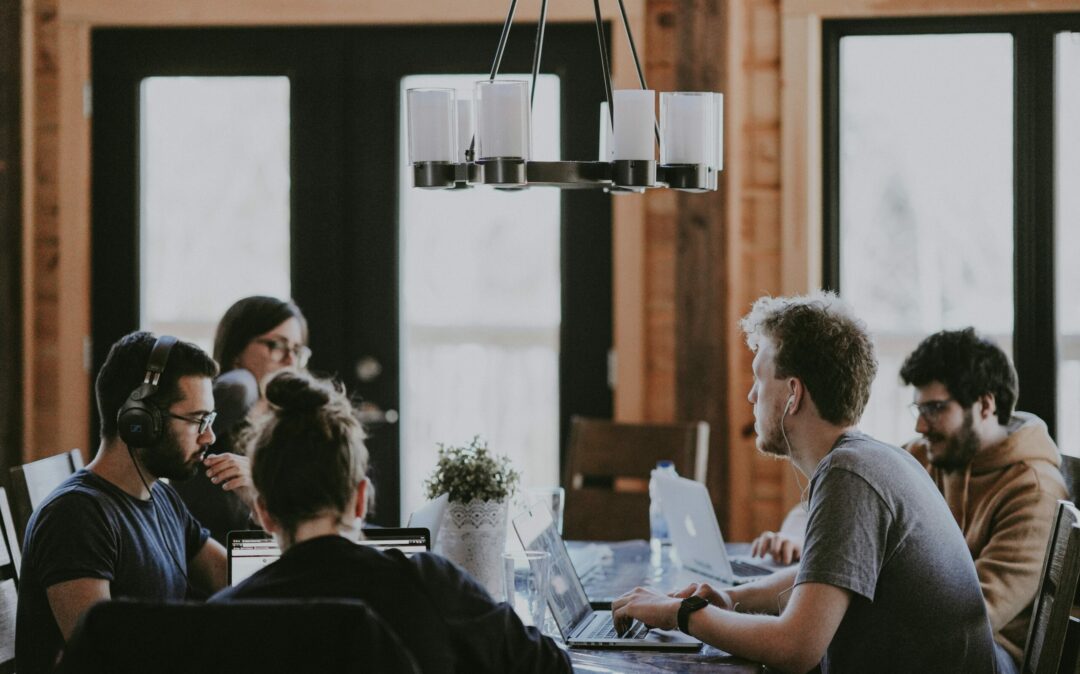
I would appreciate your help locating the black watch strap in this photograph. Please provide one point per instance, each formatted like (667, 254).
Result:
(688, 606)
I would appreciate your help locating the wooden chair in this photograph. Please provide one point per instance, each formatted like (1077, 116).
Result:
(339, 635)
(1070, 470)
(607, 473)
(1050, 621)
(9, 579)
(32, 482)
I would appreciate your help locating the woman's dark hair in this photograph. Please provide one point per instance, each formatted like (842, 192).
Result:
(969, 366)
(307, 454)
(248, 318)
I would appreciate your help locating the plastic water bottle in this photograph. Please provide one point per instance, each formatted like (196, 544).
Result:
(658, 528)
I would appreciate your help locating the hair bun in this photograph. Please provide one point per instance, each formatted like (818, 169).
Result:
(292, 391)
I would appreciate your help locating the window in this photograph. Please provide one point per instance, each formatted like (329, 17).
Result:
(213, 196)
(481, 312)
(943, 199)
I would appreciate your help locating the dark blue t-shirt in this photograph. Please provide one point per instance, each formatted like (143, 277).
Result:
(90, 528)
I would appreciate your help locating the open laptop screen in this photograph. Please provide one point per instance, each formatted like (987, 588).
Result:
(567, 599)
(249, 551)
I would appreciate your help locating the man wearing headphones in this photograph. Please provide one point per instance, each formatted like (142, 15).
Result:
(114, 529)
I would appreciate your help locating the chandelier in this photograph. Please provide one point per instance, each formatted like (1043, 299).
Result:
(457, 142)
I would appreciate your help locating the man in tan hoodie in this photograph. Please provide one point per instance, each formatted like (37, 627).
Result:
(996, 468)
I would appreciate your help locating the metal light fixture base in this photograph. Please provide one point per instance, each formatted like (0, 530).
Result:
(433, 175)
(503, 172)
(687, 177)
(634, 173)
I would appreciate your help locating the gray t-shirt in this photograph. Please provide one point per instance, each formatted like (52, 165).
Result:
(879, 528)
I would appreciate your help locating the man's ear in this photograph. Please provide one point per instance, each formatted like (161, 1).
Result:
(988, 408)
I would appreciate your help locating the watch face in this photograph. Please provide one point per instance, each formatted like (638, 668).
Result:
(694, 603)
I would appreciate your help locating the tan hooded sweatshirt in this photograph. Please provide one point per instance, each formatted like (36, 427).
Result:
(1005, 502)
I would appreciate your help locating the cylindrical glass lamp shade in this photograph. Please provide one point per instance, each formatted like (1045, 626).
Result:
(687, 127)
(717, 160)
(635, 119)
(465, 128)
(503, 124)
(607, 143)
(432, 128)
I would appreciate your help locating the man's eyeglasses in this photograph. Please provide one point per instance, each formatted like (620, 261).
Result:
(929, 410)
(203, 421)
(279, 347)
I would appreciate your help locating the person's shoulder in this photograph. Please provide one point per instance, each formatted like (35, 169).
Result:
(74, 492)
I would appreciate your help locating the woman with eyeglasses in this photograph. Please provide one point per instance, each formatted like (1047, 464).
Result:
(257, 337)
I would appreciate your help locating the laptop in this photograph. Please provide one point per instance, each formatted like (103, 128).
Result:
(578, 623)
(249, 551)
(695, 533)
(430, 516)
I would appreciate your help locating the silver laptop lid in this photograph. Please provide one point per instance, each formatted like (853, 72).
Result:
(566, 595)
(430, 516)
(692, 524)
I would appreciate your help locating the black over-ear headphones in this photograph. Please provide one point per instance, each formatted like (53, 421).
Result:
(139, 422)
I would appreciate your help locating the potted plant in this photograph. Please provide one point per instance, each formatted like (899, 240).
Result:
(479, 485)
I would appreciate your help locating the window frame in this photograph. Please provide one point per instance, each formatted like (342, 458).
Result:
(1034, 305)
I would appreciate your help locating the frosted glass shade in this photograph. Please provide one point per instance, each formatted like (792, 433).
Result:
(503, 125)
(717, 161)
(687, 127)
(607, 143)
(465, 127)
(635, 119)
(432, 129)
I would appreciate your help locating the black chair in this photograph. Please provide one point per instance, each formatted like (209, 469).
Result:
(1047, 639)
(32, 482)
(9, 575)
(251, 636)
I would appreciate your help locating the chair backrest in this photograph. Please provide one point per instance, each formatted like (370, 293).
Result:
(32, 482)
(9, 578)
(607, 473)
(250, 636)
(1070, 470)
(1057, 593)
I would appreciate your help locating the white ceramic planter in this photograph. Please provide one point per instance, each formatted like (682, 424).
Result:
(473, 536)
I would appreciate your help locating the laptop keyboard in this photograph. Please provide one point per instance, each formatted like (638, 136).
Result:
(605, 629)
(745, 569)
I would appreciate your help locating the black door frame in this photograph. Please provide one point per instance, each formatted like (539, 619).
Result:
(327, 211)
(1034, 326)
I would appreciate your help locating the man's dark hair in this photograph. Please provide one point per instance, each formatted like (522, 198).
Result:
(248, 318)
(125, 368)
(968, 365)
(819, 340)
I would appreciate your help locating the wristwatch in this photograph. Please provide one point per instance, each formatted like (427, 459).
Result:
(688, 606)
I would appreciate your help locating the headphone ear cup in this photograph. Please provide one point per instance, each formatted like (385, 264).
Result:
(139, 424)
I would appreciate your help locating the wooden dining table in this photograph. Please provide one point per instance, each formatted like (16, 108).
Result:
(608, 570)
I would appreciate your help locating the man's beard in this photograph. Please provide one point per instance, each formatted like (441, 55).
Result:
(960, 447)
(772, 441)
(167, 460)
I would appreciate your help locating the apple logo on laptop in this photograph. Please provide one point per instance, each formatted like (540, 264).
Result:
(690, 528)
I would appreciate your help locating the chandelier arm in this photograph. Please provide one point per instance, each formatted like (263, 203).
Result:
(604, 61)
(538, 49)
(637, 61)
(503, 40)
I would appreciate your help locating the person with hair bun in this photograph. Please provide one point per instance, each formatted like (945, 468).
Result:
(309, 469)
(256, 337)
